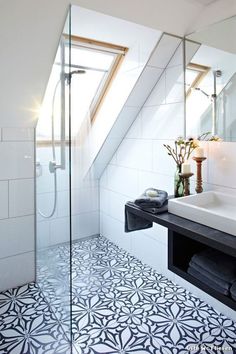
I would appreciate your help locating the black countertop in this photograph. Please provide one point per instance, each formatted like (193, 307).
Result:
(220, 240)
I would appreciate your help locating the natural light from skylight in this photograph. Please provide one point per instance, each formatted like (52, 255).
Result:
(86, 89)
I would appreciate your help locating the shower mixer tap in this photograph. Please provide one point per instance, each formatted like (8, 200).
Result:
(52, 166)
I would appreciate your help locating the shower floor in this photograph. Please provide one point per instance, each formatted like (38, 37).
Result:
(120, 305)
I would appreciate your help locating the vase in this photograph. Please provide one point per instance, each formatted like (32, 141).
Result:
(178, 183)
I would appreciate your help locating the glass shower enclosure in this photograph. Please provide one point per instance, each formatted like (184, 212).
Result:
(53, 187)
(67, 188)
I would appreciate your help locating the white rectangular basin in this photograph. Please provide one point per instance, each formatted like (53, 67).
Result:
(213, 209)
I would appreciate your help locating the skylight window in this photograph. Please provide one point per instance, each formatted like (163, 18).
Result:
(101, 62)
(195, 73)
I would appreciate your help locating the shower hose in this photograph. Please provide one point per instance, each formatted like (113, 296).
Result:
(53, 162)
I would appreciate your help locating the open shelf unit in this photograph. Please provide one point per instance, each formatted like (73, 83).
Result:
(187, 237)
(180, 251)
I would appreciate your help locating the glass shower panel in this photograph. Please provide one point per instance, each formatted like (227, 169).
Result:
(84, 196)
(53, 187)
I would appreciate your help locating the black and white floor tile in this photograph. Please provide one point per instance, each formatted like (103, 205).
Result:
(27, 325)
(119, 305)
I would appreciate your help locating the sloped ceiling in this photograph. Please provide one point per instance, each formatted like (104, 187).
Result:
(29, 35)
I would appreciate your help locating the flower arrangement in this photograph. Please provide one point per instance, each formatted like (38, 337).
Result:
(184, 147)
(182, 150)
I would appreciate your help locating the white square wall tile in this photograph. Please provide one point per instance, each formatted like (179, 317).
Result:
(123, 180)
(83, 200)
(149, 251)
(104, 200)
(135, 153)
(59, 230)
(162, 162)
(21, 197)
(17, 159)
(4, 199)
(18, 134)
(114, 230)
(158, 94)
(163, 122)
(135, 131)
(155, 180)
(122, 123)
(174, 84)
(117, 206)
(17, 270)
(63, 202)
(45, 182)
(16, 236)
(86, 224)
(158, 233)
(144, 86)
(43, 234)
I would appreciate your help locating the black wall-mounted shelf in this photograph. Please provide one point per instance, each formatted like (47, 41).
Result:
(187, 237)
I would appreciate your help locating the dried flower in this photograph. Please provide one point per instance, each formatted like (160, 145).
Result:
(215, 138)
(182, 150)
(208, 137)
(184, 147)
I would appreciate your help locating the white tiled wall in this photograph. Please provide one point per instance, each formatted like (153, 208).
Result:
(84, 202)
(17, 236)
(141, 162)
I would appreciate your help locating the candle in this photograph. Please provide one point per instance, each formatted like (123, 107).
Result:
(186, 168)
(199, 152)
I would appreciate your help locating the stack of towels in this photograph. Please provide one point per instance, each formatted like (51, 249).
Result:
(215, 269)
(153, 201)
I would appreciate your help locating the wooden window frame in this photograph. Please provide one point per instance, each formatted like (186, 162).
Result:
(202, 72)
(120, 52)
(91, 44)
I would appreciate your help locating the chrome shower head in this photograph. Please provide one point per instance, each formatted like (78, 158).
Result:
(203, 92)
(68, 76)
(77, 72)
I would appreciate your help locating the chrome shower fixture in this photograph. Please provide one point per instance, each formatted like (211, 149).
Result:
(68, 76)
(204, 93)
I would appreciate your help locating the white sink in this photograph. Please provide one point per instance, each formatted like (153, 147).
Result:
(214, 209)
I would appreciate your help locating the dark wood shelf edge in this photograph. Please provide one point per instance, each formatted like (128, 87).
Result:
(211, 237)
(200, 234)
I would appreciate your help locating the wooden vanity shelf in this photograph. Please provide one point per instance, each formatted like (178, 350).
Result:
(186, 238)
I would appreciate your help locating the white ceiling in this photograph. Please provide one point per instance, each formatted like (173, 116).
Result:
(29, 44)
(205, 2)
(218, 35)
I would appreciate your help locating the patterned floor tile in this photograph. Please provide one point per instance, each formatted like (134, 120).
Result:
(27, 324)
(119, 305)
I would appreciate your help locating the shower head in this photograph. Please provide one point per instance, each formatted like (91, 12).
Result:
(203, 92)
(68, 76)
(77, 72)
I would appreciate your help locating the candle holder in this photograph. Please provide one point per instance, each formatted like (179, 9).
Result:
(199, 161)
(186, 177)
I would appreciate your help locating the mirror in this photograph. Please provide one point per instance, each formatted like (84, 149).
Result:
(210, 81)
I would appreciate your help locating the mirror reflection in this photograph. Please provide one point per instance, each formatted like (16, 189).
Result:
(210, 81)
